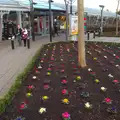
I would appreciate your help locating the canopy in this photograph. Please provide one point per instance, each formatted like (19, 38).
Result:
(24, 5)
(12, 5)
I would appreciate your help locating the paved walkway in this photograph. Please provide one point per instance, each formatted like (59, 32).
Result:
(102, 39)
(105, 39)
(12, 62)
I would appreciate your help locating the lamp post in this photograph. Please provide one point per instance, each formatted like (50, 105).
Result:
(101, 25)
(32, 19)
(50, 23)
(66, 5)
(71, 7)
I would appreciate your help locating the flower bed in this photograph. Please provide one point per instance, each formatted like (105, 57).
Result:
(58, 89)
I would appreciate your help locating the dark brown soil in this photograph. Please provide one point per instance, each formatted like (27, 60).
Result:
(66, 59)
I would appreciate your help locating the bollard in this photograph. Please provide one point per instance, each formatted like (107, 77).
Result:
(94, 34)
(88, 36)
(12, 44)
(28, 43)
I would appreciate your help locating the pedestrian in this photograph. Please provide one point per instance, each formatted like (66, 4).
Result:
(55, 28)
(19, 34)
(24, 36)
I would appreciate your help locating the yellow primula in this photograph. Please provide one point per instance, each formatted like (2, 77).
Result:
(65, 101)
(45, 98)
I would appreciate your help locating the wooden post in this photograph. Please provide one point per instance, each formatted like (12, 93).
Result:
(81, 41)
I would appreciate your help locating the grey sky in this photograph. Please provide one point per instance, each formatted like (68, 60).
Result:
(109, 4)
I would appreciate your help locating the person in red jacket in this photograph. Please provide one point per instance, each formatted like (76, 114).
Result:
(24, 36)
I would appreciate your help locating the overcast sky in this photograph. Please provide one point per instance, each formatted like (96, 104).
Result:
(109, 4)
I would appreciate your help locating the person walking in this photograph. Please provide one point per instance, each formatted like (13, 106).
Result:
(56, 30)
(19, 35)
(24, 36)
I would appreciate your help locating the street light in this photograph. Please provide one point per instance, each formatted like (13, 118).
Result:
(50, 23)
(32, 18)
(66, 5)
(101, 25)
(71, 6)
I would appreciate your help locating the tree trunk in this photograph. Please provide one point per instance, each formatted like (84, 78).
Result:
(81, 41)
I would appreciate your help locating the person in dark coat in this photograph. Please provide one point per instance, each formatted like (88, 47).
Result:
(19, 34)
(55, 28)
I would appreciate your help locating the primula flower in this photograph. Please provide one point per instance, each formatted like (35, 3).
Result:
(65, 101)
(97, 81)
(48, 73)
(41, 61)
(23, 106)
(115, 81)
(103, 89)
(36, 71)
(45, 54)
(117, 57)
(52, 58)
(114, 55)
(110, 75)
(34, 77)
(105, 57)
(108, 100)
(94, 58)
(64, 92)
(39, 67)
(30, 87)
(93, 74)
(20, 118)
(49, 69)
(42, 110)
(112, 110)
(117, 65)
(66, 116)
(62, 71)
(46, 86)
(64, 81)
(78, 78)
(89, 69)
(88, 105)
(45, 98)
(29, 94)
